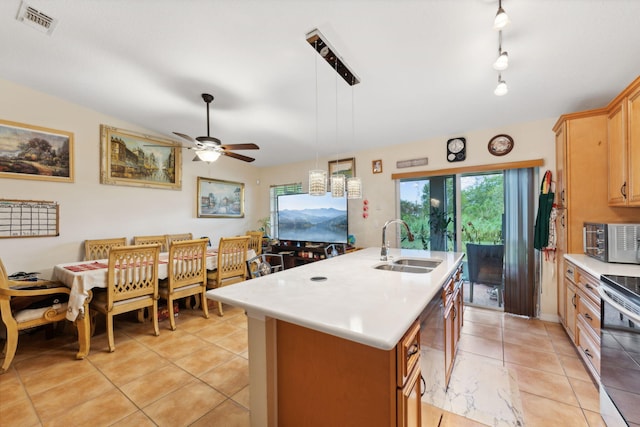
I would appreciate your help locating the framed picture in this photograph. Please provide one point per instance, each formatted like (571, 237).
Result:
(376, 166)
(346, 167)
(134, 159)
(220, 199)
(34, 152)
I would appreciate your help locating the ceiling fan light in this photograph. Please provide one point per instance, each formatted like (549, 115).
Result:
(208, 155)
(337, 185)
(354, 188)
(501, 20)
(317, 182)
(501, 89)
(502, 63)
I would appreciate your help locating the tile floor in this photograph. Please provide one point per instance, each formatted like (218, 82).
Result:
(198, 374)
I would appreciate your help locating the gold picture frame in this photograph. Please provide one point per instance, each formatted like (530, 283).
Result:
(35, 152)
(376, 166)
(219, 199)
(134, 159)
(346, 167)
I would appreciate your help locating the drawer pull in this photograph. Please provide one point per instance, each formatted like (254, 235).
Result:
(588, 286)
(586, 315)
(412, 350)
(423, 383)
(573, 300)
(588, 353)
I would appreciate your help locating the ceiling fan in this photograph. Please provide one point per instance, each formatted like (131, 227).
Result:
(209, 148)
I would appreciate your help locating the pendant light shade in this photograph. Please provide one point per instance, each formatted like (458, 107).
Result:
(337, 185)
(354, 188)
(208, 155)
(501, 20)
(317, 182)
(502, 88)
(502, 63)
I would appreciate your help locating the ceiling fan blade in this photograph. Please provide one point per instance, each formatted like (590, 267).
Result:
(208, 139)
(240, 147)
(238, 156)
(182, 135)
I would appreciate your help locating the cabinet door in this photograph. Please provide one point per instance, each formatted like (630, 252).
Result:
(409, 403)
(571, 304)
(561, 147)
(449, 344)
(633, 121)
(616, 131)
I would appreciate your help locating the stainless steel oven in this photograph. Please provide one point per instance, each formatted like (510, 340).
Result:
(620, 350)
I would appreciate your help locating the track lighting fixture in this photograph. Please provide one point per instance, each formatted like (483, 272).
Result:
(502, 63)
(502, 88)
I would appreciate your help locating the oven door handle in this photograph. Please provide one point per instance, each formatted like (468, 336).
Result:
(631, 315)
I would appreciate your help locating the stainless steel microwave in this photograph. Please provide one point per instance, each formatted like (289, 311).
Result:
(612, 242)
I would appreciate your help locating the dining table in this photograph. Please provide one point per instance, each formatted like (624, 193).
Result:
(83, 276)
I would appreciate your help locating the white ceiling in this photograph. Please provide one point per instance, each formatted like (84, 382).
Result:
(425, 66)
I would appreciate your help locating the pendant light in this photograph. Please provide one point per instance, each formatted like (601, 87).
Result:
(354, 184)
(337, 179)
(317, 177)
(502, 63)
(502, 88)
(501, 20)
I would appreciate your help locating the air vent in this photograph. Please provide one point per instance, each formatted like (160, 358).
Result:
(36, 19)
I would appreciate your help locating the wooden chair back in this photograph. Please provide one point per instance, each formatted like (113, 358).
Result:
(99, 248)
(132, 284)
(25, 317)
(152, 240)
(232, 264)
(177, 237)
(255, 241)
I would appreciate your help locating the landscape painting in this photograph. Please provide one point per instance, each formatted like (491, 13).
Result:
(34, 152)
(130, 158)
(220, 199)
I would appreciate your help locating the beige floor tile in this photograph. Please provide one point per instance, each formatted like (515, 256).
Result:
(453, 420)
(574, 368)
(229, 377)
(522, 324)
(526, 356)
(137, 419)
(594, 419)
(481, 360)
(204, 359)
(227, 414)
(184, 405)
(33, 365)
(536, 341)
(481, 346)
(588, 394)
(101, 411)
(237, 342)
(565, 347)
(40, 381)
(17, 413)
(487, 317)
(11, 389)
(544, 384)
(177, 345)
(100, 355)
(242, 397)
(542, 412)
(482, 330)
(431, 415)
(122, 371)
(239, 320)
(154, 385)
(217, 331)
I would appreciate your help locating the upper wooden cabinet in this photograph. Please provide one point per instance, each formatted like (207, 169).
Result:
(623, 136)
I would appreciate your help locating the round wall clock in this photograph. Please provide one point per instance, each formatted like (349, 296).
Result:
(500, 145)
(456, 149)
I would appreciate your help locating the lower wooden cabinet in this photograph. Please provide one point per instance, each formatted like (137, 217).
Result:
(409, 403)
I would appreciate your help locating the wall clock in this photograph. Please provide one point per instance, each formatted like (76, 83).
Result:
(500, 145)
(456, 149)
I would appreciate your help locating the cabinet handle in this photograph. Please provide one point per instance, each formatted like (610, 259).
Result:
(412, 350)
(455, 312)
(573, 300)
(588, 286)
(588, 353)
(562, 220)
(588, 316)
(562, 197)
(623, 190)
(423, 383)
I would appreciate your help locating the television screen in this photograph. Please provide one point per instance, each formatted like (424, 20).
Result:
(312, 218)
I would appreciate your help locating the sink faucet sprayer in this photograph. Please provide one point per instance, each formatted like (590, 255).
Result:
(383, 250)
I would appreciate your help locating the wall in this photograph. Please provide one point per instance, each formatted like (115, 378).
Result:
(90, 210)
(93, 210)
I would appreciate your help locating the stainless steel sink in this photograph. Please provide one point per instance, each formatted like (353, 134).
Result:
(418, 262)
(402, 268)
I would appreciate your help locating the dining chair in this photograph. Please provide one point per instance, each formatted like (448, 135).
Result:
(28, 304)
(178, 237)
(187, 275)
(486, 266)
(333, 250)
(132, 284)
(99, 248)
(232, 264)
(255, 241)
(152, 240)
(261, 265)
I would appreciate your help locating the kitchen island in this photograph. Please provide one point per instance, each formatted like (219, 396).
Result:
(332, 323)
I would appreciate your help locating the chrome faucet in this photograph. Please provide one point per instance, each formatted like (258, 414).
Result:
(383, 250)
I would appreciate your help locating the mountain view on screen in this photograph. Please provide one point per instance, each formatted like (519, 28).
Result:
(312, 219)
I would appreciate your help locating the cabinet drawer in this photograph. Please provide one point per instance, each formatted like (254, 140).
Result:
(589, 285)
(570, 271)
(408, 353)
(447, 290)
(588, 346)
(589, 312)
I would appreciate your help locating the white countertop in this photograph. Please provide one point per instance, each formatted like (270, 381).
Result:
(596, 268)
(355, 302)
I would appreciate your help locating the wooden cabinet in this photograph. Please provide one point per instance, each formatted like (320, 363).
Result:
(324, 380)
(571, 305)
(453, 309)
(295, 254)
(623, 133)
